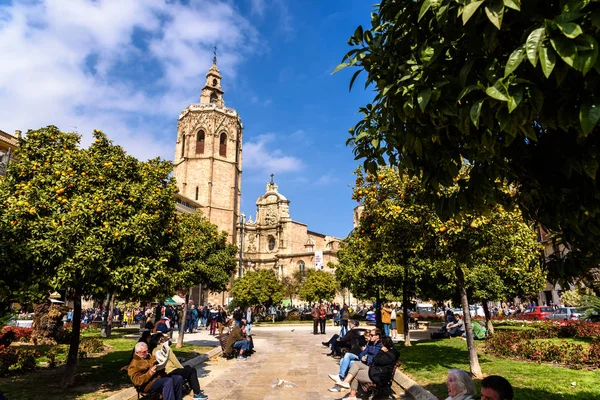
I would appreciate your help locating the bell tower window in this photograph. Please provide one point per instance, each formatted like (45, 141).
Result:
(215, 82)
(213, 98)
(200, 142)
(223, 145)
(183, 145)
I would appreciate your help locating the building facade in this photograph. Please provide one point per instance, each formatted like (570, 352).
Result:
(8, 144)
(274, 241)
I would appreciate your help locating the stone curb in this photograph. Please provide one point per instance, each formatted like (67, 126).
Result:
(417, 391)
(129, 393)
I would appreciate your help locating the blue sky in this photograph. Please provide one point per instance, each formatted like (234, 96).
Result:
(129, 67)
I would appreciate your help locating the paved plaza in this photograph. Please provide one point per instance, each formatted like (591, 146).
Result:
(290, 353)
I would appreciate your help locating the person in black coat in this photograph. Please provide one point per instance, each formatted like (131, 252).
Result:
(351, 339)
(379, 372)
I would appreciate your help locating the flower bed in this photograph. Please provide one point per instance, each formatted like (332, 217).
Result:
(20, 334)
(525, 344)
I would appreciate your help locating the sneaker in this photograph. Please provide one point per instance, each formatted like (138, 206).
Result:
(240, 358)
(343, 384)
(200, 396)
(334, 377)
(335, 389)
(326, 344)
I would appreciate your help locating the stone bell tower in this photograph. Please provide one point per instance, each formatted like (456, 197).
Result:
(208, 155)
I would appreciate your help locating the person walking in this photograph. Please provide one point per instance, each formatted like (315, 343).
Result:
(344, 317)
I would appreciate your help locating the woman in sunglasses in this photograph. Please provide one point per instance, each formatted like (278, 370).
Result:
(378, 372)
(369, 351)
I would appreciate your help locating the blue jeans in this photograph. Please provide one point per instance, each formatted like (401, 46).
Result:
(204, 321)
(345, 363)
(248, 328)
(242, 345)
(170, 387)
(386, 329)
(344, 330)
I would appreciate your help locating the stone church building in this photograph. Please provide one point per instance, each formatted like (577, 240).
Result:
(208, 171)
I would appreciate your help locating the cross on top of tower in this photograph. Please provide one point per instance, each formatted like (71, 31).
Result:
(215, 55)
(272, 175)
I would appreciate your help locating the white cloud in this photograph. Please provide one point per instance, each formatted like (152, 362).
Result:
(327, 179)
(82, 63)
(258, 155)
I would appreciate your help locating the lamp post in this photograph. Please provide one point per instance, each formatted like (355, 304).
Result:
(242, 223)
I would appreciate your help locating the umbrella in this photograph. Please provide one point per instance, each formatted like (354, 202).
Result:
(173, 301)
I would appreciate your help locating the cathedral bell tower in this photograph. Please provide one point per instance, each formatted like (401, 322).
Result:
(208, 155)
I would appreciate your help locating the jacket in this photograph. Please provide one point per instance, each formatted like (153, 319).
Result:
(370, 351)
(381, 370)
(138, 372)
(235, 335)
(315, 313)
(386, 316)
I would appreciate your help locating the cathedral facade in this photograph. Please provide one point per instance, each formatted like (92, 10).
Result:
(208, 171)
(275, 241)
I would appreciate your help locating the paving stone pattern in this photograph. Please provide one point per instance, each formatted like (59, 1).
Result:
(293, 354)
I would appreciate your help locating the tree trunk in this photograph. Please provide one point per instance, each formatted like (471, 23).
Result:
(71, 367)
(488, 317)
(107, 316)
(182, 322)
(473, 360)
(405, 313)
(378, 323)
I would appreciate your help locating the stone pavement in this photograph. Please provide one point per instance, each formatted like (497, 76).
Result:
(291, 353)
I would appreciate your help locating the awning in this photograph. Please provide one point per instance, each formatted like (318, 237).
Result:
(174, 301)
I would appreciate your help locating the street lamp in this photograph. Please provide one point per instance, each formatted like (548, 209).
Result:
(242, 223)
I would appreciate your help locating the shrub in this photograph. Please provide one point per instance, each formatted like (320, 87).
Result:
(427, 317)
(21, 334)
(51, 356)
(90, 346)
(25, 360)
(63, 335)
(8, 357)
(525, 345)
(293, 317)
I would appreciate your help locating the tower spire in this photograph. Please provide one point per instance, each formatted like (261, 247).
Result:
(215, 55)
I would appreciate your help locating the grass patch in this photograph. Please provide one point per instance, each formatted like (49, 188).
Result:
(428, 362)
(97, 378)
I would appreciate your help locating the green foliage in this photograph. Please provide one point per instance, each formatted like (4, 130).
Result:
(206, 257)
(257, 287)
(94, 219)
(318, 286)
(591, 307)
(509, 87)
(89, 346)
(400, 237)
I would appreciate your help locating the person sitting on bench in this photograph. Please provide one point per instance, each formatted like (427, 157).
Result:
(365, 356)
(146, 376)
(379, 372)
(174, 367)
(238, 340)
(337, 343)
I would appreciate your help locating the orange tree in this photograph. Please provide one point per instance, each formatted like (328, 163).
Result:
(510, 86)
(383, 256)
(205, 257)
(402, 245)
(90, 220)
(318, 286)
(257, 287)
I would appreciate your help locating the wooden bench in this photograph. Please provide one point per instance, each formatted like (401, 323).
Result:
(383, 390)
